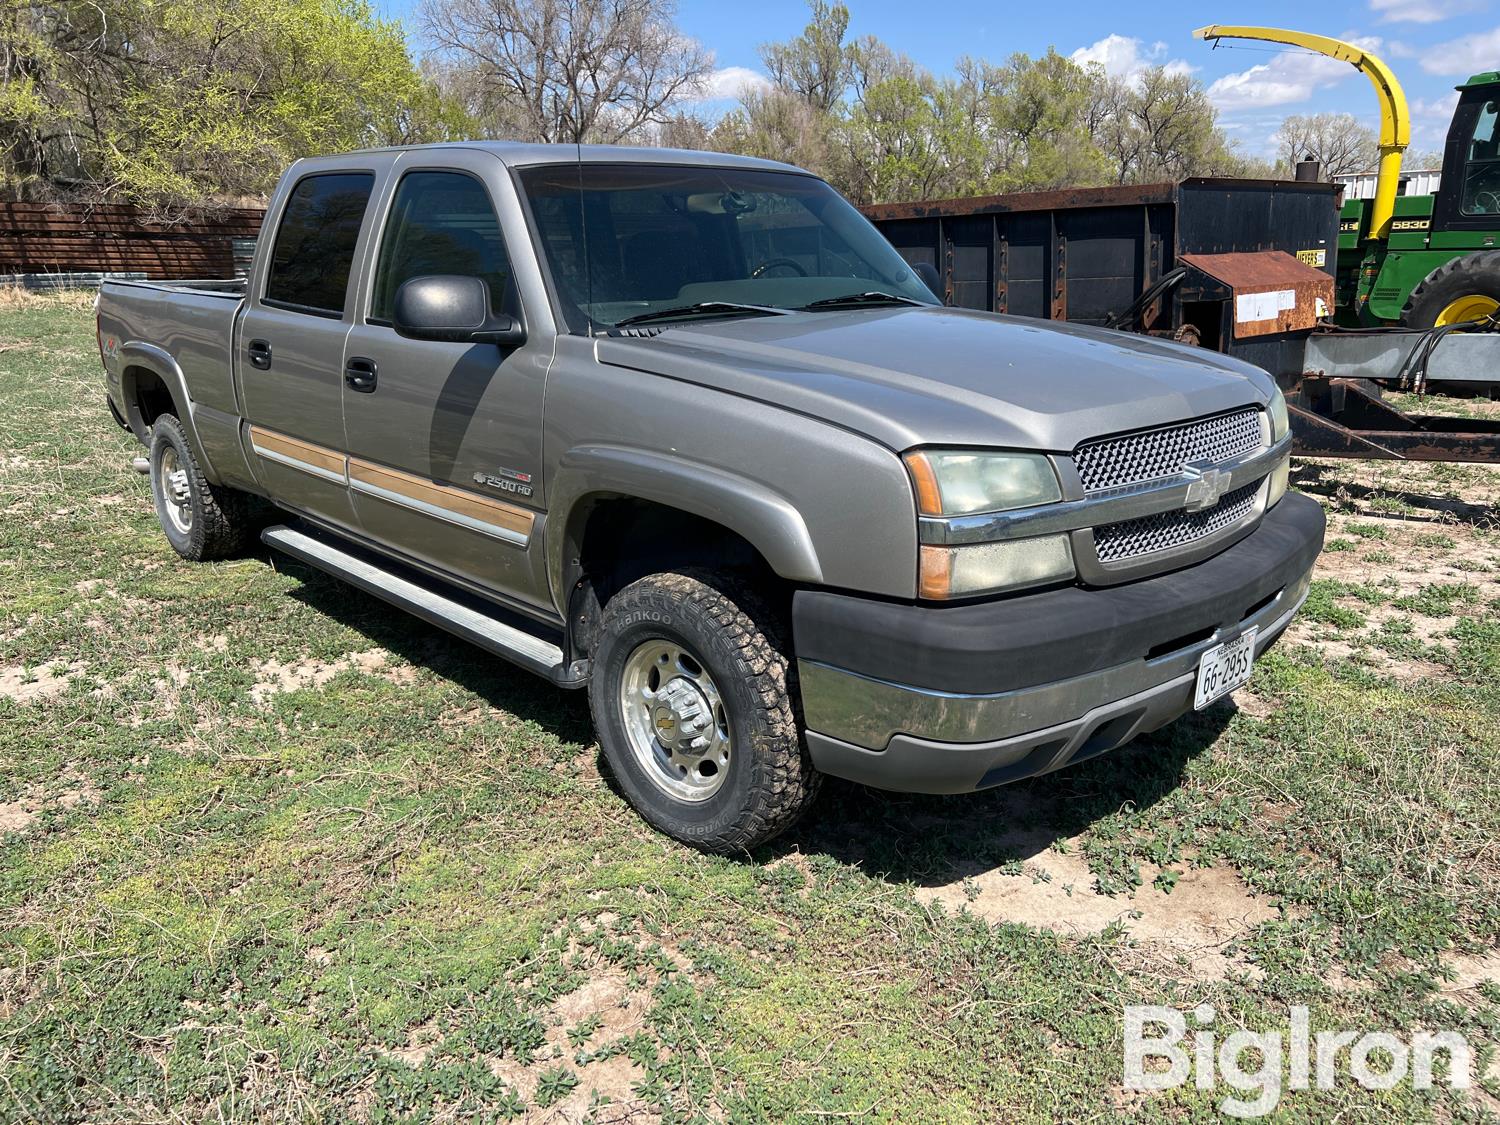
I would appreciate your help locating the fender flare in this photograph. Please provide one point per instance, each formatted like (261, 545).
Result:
(137, 354)
(768, 521)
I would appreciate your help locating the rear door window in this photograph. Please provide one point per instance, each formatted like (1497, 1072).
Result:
(314, 252)
(441, 223)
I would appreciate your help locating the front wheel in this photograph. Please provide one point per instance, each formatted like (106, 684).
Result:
(693, 704)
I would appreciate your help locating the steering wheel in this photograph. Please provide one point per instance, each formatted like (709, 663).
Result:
(777, 263)
(1487, 202)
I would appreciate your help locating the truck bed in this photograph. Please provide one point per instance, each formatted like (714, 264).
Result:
(227, 287)
(193, 322)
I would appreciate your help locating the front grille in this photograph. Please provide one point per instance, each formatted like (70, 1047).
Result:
(1116, 542)
(1153, 454)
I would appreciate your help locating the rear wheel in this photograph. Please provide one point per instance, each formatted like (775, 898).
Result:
(201, 520)
(693, 702)
(1462, 290)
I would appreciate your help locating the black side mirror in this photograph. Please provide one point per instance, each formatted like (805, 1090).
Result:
(454, 308)
(928, 275)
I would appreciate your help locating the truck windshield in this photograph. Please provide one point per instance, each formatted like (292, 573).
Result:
(625, 240)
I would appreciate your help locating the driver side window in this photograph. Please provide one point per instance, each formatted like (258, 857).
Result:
(441, 223)
(1481, 194)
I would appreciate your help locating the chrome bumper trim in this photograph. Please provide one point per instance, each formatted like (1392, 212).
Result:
(869, 712)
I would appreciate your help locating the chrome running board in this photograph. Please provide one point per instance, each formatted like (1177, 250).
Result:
(463, 618)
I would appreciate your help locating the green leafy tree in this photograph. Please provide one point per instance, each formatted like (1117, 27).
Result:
(893, 143)
(1039, 109)
(174, 102)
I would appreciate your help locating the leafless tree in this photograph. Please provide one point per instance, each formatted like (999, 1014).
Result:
(1337, 141)
(684, 129)
(567, 70)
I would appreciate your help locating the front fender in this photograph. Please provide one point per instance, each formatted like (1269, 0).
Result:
(765, 519)
(136, 356)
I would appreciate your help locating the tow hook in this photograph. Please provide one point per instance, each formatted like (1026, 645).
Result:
(141, 465)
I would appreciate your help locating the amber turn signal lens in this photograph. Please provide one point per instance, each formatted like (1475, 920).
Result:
(929, 496)
(992, 568)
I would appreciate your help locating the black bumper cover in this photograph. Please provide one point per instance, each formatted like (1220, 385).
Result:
(1039, 638)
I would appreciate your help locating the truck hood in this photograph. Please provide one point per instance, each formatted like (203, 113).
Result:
(937, 376)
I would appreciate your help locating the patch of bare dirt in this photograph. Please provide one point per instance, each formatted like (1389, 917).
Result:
(70, 790)
(17, 816)
(615, 1010)
(421, 1041)
(273, 677)
(1470, 970)
(1399, 528)
(584, 1033)
(39, 683)
(1256, 706)
(1197, 922)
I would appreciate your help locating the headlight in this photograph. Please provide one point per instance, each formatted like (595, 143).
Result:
(960, 483)
(1280, 423)
(990, 568)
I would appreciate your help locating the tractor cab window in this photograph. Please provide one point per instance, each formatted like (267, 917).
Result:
(1482, 169)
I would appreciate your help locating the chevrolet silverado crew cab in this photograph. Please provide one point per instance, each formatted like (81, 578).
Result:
(683, 429)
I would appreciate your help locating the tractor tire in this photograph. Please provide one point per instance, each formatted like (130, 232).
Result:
(1467, 288)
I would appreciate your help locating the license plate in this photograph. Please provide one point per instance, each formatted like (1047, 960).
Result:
(1224, 668)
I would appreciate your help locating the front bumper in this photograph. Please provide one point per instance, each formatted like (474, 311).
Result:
(947, 699)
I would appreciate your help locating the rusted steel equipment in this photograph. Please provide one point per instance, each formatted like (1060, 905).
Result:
(1243, 267)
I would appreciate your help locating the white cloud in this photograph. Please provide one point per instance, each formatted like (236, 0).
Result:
(729, 82)
(1429, 121)
(1289, 77)
(1459, 58)
(1127, 58)
(1418, 11)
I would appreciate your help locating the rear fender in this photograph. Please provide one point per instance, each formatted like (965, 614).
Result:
(136, 357)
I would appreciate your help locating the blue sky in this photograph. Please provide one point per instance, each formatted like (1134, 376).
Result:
(1431, 45)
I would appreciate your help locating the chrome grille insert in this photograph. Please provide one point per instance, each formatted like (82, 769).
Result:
(1153, 454)
(1115, 542)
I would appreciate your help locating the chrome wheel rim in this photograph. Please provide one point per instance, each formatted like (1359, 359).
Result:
(176, 493)
(675, 720)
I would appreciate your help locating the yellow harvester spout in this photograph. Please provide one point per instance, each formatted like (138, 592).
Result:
(1395, 120)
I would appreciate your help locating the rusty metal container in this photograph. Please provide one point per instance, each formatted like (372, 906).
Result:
(1091, 254)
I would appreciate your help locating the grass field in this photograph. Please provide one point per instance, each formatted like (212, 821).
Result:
(269, 849)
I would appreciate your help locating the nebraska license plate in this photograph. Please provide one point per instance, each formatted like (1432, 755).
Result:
(1224, 668)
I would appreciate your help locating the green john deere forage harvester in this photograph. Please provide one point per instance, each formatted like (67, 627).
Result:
(1415, 261)
(1439, 263)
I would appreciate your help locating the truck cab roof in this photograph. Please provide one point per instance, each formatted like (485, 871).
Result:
(519, 154)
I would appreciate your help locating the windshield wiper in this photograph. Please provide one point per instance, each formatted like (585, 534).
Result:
(701, 308)
(869, 297)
